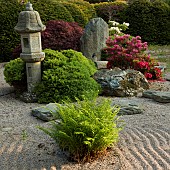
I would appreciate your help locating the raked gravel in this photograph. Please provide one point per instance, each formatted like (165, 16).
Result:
(144, 143)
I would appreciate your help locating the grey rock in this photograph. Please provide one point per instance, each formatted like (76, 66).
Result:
(167, 76)
(121, 83)
(6, 90)
(159, 96)
(45, 112)
(128, 108)
(148, 93)
(94, 38)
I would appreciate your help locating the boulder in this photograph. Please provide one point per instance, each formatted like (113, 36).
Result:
(94, 38)
(159, 96)
(121, 83)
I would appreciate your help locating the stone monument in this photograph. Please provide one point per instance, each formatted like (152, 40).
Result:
(29, 27)
(94, 38)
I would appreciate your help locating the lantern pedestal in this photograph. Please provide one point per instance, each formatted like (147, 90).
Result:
(29, 26)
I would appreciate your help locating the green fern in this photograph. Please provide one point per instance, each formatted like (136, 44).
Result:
(86, 128)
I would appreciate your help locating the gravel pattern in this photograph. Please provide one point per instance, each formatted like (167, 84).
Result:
(144, 143)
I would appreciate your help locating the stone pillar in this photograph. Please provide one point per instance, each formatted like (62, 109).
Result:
(94, 38)
(33, 75)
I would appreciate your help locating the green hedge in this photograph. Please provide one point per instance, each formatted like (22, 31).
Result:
(9, 10)
(149, 20)
(110, 10)
(50, 10)
(77, 14)
(86, 7)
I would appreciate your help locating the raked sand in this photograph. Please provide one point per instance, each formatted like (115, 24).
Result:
(144, 143)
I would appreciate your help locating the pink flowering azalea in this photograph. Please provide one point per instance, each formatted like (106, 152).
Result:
(148, 75)
(128, 52)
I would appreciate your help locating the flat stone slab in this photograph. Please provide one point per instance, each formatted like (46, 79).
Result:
(45, 112)
(128, 108)
(159, 96)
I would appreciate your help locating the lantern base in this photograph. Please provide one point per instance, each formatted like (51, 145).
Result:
(28, 97)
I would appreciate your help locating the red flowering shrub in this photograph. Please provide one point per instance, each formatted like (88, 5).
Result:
(127, 52)
(59, 35)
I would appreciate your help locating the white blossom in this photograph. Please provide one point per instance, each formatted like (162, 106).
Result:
(114, 23)
(124, 23)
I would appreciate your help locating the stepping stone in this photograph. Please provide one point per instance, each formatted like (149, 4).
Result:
(45, 112)
(128, 108)
(159, 96)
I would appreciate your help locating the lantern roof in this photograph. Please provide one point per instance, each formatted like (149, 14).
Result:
(29, 21)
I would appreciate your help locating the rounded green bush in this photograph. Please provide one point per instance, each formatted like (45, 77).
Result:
(150, 20)
(66, 75)
(15, 74)
(86, 7)
(77, 14)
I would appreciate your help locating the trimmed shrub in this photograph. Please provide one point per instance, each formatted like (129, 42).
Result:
(110, 10)
(86, 7)
(51, 10)
(59, 35)
(66, 75)
(96, 1)
(77, 14)
(149, 20)
(15, 74)
(86, 129)
(9, 10)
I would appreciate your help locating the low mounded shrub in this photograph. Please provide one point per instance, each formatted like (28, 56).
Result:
(128, 52)
(65, 75)
(59, 35)
(85, 129)
(77, 14)
(15, 74)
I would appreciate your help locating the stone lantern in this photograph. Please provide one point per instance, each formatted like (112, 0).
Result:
(29, 27)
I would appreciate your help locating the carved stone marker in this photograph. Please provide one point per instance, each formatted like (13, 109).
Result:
(29, 26)
(94, 38)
